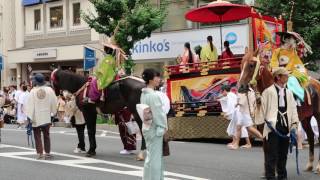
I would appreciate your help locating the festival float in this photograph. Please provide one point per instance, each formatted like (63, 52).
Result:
(194, 89)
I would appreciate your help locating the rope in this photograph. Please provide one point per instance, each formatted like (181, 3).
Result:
(293, 142)
(29, 133)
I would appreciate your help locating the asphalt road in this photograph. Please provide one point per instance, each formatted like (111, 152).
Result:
(189, 160)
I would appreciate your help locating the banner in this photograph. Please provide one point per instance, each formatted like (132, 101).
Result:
(204, 88)
(89, 60)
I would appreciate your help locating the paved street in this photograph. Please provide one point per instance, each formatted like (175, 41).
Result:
(189, 160)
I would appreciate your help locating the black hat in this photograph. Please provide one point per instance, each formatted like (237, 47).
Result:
(38, 80)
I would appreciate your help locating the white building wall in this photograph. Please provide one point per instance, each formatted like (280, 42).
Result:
(8, 38)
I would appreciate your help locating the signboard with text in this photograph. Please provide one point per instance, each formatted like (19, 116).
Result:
(171, 44)
(89, 60)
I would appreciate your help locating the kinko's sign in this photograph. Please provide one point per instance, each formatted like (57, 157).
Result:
(170, 45)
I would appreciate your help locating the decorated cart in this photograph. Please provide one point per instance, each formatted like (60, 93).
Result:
(194, 89)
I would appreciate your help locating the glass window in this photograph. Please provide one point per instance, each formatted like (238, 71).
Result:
(56, 17)
(176, 11)
(37, 19)
(76, 14)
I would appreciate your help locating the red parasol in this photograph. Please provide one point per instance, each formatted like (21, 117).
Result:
(219, 11)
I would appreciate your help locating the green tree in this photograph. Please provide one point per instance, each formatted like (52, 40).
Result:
(305, 18)
(126, 21)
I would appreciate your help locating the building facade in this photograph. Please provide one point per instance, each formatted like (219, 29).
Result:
(49, 34)
(41, 34)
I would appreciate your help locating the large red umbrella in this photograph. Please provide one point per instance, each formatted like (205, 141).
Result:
(219, 12)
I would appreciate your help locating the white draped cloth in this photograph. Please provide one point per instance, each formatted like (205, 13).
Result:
(21, 102)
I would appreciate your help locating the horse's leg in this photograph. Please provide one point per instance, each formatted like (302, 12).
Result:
(308, 129)
(318, 165)
(90, 115)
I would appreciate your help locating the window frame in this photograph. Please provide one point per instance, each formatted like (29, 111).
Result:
(64, 22)
(29, 20)
(34, 20)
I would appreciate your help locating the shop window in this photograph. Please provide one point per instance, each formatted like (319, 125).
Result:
(56, 17)
(76, 14)
(37, 20)
(176, 12)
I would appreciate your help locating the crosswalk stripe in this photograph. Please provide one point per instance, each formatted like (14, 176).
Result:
(83, 162)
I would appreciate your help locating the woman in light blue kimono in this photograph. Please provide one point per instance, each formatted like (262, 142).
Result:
(153, 166)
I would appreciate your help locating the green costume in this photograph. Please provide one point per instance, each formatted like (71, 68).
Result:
(153, 165)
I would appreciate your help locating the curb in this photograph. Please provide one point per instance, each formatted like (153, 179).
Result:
(105, 127)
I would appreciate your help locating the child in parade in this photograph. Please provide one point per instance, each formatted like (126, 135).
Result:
(228, 104)
(246, 105)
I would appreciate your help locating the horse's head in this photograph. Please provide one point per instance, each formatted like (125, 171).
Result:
(55, 81)
(66, 80)
(254, 72)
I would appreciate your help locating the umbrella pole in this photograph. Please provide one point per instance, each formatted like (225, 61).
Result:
(221, 43)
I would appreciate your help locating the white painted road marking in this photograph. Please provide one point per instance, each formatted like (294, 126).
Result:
(82, 162)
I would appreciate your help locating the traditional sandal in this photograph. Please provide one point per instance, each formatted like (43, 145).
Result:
(247, 146)
(233, 147)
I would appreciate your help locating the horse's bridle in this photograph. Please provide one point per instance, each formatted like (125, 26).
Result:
(253, 81)
(53, 77)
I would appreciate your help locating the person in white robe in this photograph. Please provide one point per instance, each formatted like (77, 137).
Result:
(246, 104)
(230, 112)
(21, 98)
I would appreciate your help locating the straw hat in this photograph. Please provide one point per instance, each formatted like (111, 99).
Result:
(280, 71)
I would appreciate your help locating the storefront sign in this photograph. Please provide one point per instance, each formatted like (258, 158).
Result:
(171, 44)
(89, 60)
(45, 53)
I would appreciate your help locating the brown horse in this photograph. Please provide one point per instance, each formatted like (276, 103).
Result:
(264, 79)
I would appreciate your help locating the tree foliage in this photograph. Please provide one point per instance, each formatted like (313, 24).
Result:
(305, 18)
(126, 21)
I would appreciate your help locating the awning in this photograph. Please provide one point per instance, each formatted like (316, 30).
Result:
(30, 2)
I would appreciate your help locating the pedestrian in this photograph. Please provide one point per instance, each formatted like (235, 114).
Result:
(209, 51)
(279, 111)
(129, 141)
(153, 166)
(72, 112)
(227, 53)
(41, 103)
(247, 105)
(21, 101)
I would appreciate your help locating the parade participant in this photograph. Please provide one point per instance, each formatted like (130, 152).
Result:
(153, 166)
(41, 103)
(73, 112)
(246, 103)
(187, 56)
(209, 51)
(228, 104)
(288, 56)
(226, 54)
(129, 141)
(21, 101)
(61, 107)
(279, 111)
